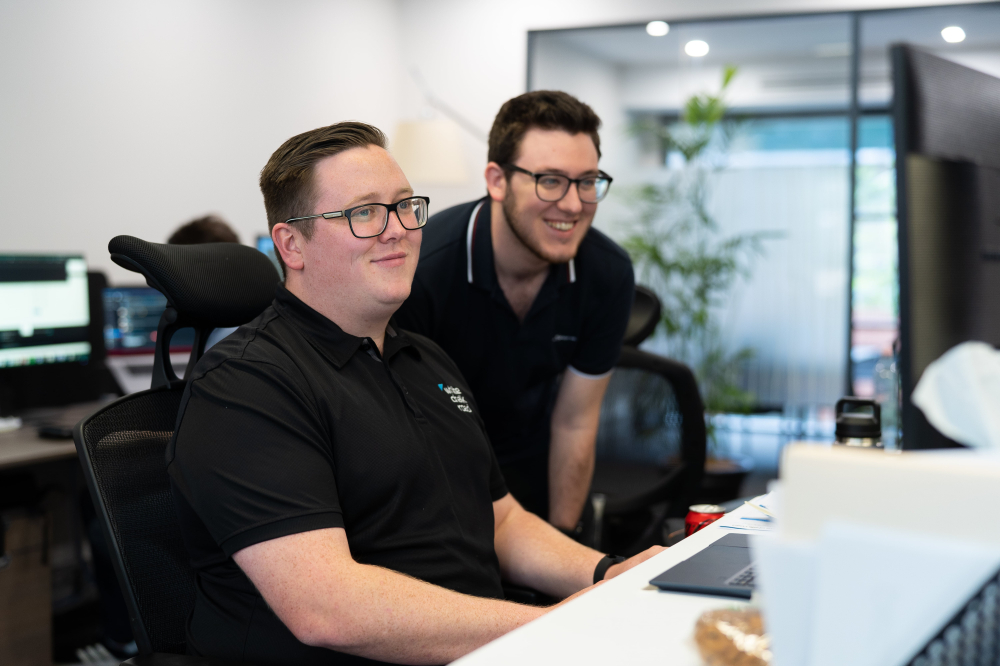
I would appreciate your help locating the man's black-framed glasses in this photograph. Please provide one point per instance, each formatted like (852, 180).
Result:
(370, 220)
(552, 187)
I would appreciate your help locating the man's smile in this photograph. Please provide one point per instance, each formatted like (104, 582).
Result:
(391, 259)
(561, 225)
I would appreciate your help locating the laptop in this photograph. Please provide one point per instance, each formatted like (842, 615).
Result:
(723, 569)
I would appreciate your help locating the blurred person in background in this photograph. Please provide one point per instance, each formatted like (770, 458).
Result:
(207, 229)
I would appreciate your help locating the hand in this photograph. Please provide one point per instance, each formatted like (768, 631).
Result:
(616, 569)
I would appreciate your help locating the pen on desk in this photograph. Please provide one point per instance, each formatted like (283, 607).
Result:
(759, 508)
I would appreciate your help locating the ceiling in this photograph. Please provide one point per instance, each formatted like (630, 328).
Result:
(822, 36)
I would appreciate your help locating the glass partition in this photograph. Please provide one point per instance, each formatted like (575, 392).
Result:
(817, 305)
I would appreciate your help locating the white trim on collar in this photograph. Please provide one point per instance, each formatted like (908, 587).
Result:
(572, 271)
(589, 376)
(468, 240)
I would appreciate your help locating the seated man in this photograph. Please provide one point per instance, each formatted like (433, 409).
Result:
(336, 489)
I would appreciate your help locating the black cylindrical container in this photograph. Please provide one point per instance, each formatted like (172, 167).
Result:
(858, 428)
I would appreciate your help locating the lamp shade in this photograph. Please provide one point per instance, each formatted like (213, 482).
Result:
(430, 152)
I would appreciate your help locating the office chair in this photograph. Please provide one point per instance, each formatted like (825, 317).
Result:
(122, 445)
(650, 442)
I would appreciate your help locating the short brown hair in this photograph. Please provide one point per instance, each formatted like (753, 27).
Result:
(207, 229)
(286, 180)
(542, 109)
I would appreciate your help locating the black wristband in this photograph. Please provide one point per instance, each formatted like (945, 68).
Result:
(602, 567)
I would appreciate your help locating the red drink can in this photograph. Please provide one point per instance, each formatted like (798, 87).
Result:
(701, 515)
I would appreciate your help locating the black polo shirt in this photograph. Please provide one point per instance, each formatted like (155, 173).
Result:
(577, 320)
(291, 425)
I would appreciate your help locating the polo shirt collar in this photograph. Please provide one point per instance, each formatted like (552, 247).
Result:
(326, 336)
(479, 252)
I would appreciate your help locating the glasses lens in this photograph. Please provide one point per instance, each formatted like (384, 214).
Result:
(368, 221)
(412, 213)
(551, 187)
(593, 190)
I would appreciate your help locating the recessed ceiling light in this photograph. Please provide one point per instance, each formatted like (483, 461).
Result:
(657, 28)
(953, 34)
(696, 48)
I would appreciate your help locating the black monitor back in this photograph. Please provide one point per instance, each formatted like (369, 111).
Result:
(947, 132)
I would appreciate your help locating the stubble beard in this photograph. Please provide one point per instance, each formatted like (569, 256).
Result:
(513, 223)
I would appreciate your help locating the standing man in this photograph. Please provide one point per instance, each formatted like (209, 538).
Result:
(529, 301)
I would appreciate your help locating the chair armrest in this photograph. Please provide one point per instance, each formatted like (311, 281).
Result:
(661, 492)
(168, 659)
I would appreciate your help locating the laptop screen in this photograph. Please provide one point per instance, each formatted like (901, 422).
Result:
(266, 245)
(131, 317)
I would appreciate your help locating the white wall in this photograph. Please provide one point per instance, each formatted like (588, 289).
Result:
(123, 117)
(133, 117)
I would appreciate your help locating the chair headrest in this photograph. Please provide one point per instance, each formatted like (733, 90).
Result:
(214, 284)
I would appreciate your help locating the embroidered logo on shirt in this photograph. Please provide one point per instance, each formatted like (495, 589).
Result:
(563, 338)
(456, 397)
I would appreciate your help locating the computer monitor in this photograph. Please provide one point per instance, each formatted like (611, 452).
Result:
(947, 134)
(131, 318)
(266, 245)
(45, 310)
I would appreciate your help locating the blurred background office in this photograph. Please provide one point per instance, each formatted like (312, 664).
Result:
(119, 117)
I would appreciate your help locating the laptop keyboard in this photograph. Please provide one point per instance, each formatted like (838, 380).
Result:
(743, 578)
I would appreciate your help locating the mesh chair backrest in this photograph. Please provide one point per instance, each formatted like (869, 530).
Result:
(122, 447)
(652, 413)
(640, 420)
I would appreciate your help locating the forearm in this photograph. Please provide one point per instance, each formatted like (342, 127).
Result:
(535, 554)
(571, 469)
(387, 616)
(326, 599)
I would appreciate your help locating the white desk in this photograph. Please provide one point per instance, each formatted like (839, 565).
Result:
(624, 621)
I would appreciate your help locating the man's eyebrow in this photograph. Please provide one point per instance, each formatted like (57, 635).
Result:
(563, 172)
(370, 197)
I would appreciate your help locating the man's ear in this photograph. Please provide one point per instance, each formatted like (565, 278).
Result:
(288, 243)
(496, 181)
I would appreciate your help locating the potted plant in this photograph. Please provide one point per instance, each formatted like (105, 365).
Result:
(680, 253)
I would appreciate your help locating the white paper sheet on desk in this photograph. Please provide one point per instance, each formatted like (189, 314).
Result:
(864, 595)
(750, 519)
(746, 523)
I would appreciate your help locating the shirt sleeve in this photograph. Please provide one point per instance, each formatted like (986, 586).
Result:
(603, 332)
(498, 486)
(252, 459)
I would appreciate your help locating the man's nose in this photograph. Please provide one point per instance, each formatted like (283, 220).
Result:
(571, 203)
(394, 229)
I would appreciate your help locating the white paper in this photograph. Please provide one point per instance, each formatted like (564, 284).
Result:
(749, 519)
(882, 594)
(785, 576)
(959, 394)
